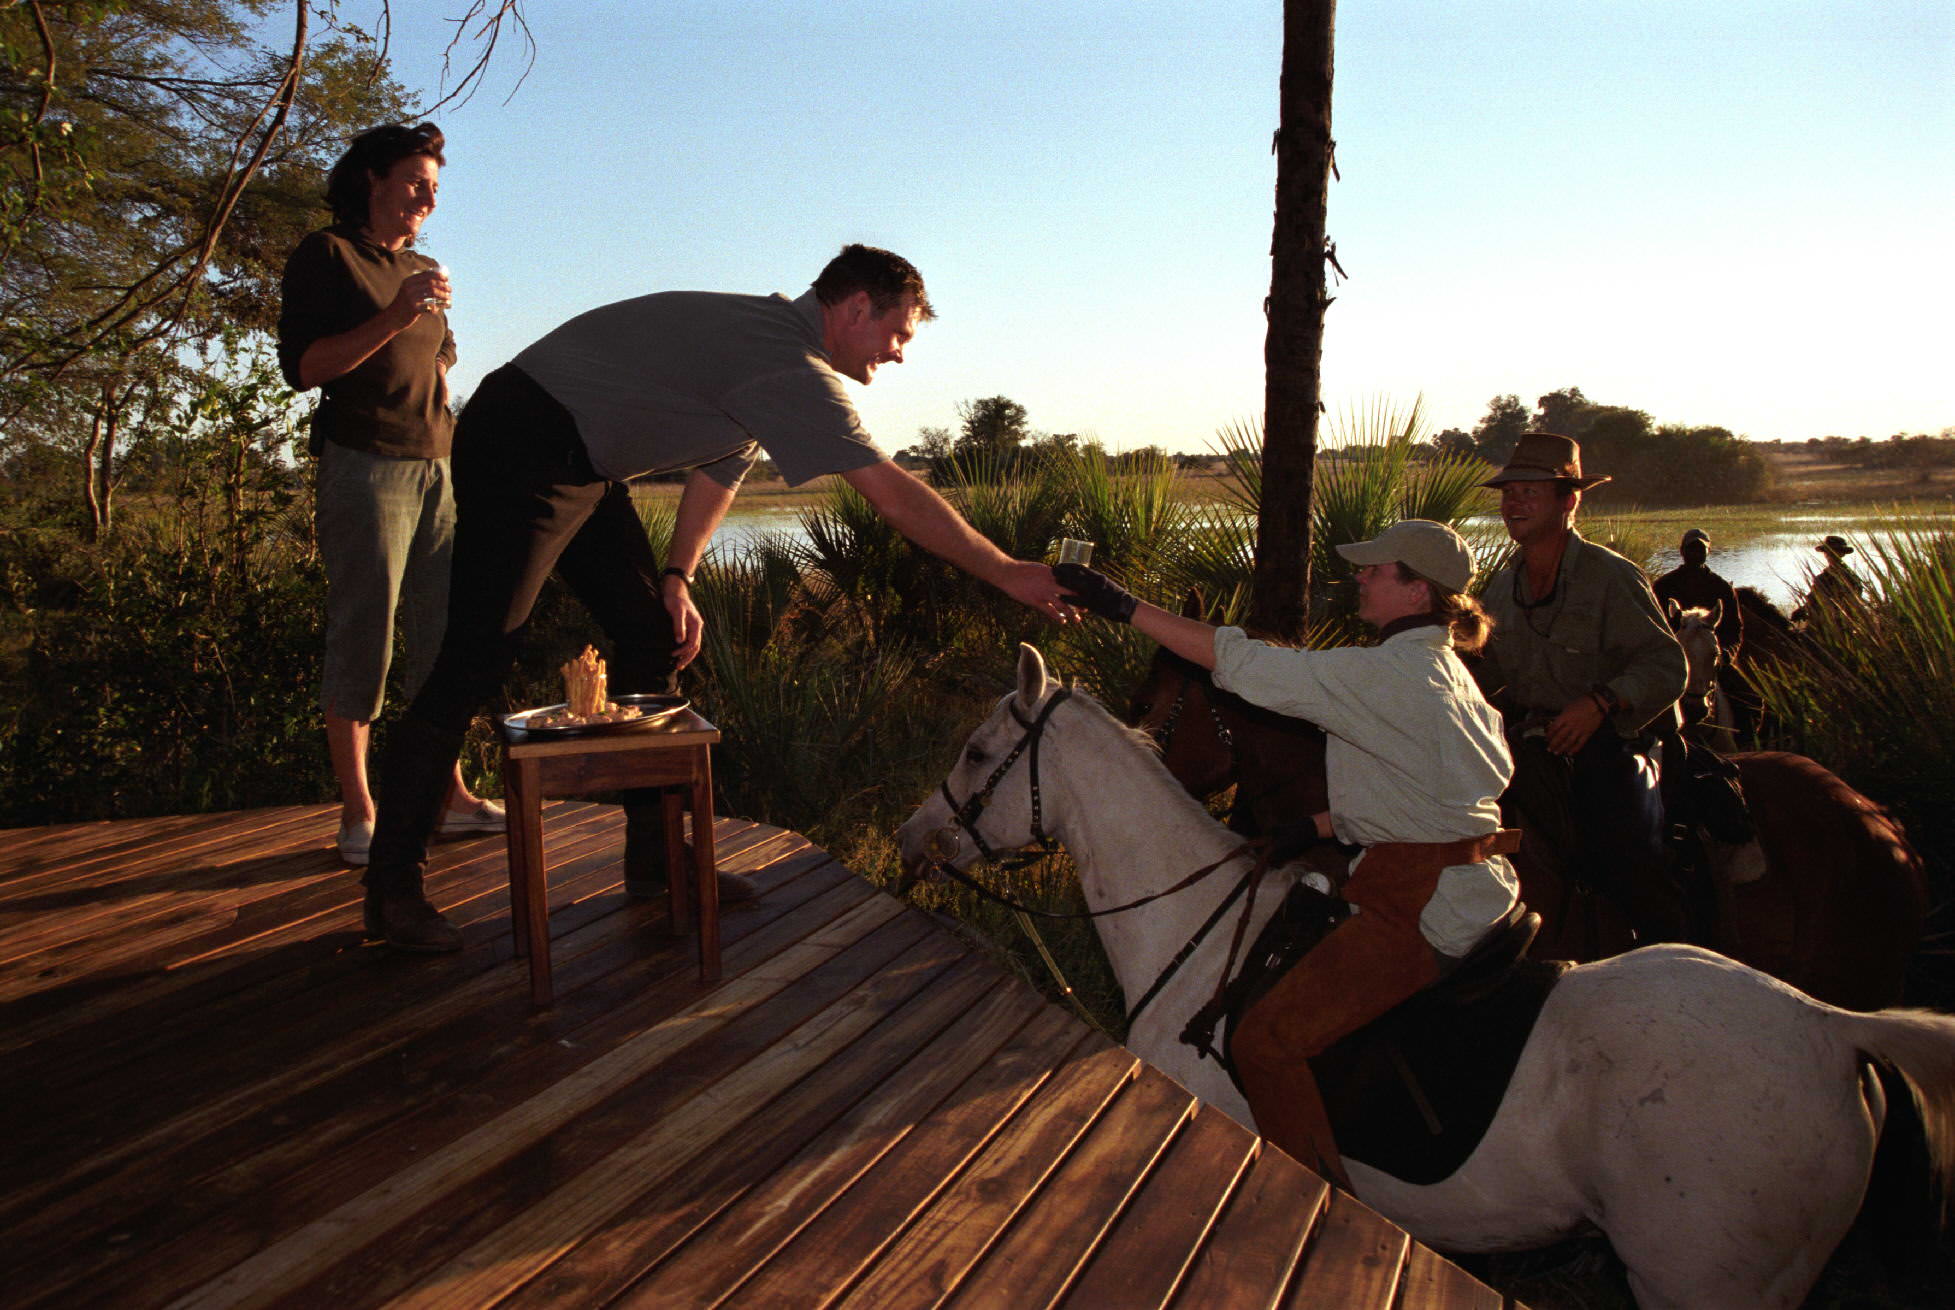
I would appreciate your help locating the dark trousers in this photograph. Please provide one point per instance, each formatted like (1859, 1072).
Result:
(527, 503)
(1602, 811)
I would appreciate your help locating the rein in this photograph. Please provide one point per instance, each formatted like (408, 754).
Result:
(943, 847)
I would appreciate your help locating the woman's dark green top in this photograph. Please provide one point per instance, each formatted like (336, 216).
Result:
(396, 401)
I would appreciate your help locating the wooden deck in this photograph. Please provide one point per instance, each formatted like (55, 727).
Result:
(216, 1095)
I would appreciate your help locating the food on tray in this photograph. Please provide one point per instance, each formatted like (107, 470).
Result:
(584, 697)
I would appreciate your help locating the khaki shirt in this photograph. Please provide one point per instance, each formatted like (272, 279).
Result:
(1414, 754)
(1599, 627)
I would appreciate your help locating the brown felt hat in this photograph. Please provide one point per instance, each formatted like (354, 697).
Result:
(1544, 457)
(1834, 546)
(1431, 550)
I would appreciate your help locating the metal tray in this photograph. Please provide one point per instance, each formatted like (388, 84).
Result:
(657, 709)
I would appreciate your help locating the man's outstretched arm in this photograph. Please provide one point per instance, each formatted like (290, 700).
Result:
(923, 516)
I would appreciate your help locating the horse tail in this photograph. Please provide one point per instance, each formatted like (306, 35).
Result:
(1921, 1045)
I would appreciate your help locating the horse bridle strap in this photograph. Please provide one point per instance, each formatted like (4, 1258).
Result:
(965, 815)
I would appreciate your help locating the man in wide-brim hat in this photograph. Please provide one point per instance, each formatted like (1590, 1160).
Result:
(1836, 584)
(1583, 666)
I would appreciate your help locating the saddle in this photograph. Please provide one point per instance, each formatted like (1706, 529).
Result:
(1412, 1092)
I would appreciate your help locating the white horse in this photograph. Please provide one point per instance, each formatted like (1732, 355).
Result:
(1716, 1124)
(1696, 630)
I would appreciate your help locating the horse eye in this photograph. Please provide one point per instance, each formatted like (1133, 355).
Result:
(972, 755)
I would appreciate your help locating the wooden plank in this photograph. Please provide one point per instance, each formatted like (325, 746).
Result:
(238, 1220)
(523, 1249)
(955, 1231)
(858, 1109)
(83, 905)
(1054, 1235)
(216, 839)
(847, 1235)
(1252, 1251)
(231, 1014)
(1143, 1259)
(580, 1172)
(1355, 1259)
(301, 1254)
(1432, 1282)
(479, 1040)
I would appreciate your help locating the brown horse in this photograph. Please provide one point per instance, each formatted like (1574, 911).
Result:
(1830, 898)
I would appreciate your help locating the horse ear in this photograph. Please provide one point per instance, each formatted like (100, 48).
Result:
(1672, 611)
(1031, 675)
(1717, 611)
(1192, 605)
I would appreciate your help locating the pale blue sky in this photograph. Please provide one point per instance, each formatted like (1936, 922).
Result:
(1732, 212)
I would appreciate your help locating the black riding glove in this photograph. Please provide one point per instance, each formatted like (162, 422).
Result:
(1096, 593)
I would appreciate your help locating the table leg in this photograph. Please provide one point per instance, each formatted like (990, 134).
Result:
(706, 868)
(678, 916)
(516, 841)
(535, 877)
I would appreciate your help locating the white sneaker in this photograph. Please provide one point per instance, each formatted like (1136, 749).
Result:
(487, 816)
(354, 840)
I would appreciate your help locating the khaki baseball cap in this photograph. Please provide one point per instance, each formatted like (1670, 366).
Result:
(1431, 550)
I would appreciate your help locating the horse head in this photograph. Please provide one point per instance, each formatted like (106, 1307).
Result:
(975, 814)
(1696, 631)
(1211, 739)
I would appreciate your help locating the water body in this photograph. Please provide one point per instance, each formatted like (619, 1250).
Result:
(1779, 563)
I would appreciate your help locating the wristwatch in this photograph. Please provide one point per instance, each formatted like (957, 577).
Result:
(1610, 702)
(676, 572)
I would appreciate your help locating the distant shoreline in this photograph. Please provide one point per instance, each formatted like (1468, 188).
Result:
(1802, 475)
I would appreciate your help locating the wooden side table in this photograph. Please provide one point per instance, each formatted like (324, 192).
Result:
(675, 755)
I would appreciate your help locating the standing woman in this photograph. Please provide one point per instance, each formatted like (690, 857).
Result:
(363, 320)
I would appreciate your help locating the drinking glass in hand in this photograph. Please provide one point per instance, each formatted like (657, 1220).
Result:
(1075, 552)
(439, 302)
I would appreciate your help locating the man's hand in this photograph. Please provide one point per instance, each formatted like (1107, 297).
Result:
(688, 625)
(1570, 730)
(1034, 585)
(1096, 593)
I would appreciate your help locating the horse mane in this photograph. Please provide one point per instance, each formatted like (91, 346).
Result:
(1138, 736)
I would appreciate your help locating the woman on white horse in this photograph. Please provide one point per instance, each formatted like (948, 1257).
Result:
(1416, 759)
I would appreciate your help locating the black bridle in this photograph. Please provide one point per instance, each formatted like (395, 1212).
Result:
(943, 846)
(1164, 735)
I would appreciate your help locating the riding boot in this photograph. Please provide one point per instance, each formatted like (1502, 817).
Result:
(646, 852)
(414, 780)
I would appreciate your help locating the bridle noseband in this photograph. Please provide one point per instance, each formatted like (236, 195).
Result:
(944, 844)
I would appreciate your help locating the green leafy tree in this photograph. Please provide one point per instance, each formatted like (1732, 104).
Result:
(1494, 436)
(991, 427)
(158, 161)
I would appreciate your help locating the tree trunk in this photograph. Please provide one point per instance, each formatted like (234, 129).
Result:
(1294, 348)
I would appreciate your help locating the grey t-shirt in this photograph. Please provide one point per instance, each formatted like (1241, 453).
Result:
(695, 379)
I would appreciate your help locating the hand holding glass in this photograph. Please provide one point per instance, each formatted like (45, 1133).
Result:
(442, 301)
(1075, 552)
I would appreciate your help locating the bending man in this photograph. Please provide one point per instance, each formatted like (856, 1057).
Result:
(543, 455)
(1417, 762)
